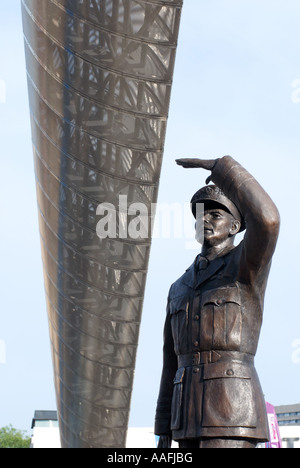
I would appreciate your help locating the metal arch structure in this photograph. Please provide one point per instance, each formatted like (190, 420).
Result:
(99, 81)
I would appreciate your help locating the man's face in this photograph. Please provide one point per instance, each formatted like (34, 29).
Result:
(216, 224)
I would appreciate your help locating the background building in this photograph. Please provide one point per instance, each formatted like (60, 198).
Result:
(288, 417)
(45, 430)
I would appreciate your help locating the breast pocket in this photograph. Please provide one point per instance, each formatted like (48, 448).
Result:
(179, 309)
(221, 319)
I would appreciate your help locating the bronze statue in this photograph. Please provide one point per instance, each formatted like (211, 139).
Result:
(210, 395)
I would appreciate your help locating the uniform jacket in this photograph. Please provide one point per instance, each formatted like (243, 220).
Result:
(209, 385)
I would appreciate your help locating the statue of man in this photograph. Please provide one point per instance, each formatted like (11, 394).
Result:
(210, 395)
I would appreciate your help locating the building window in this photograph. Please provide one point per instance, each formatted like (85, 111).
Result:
(46, 423)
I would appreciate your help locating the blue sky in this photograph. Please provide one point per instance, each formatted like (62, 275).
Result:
(235, 92)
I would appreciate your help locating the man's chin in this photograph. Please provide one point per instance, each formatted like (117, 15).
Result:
(208, 235)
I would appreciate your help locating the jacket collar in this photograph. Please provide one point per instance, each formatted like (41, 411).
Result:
(194, 279)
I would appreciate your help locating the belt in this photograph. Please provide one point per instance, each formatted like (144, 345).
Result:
(209, 357)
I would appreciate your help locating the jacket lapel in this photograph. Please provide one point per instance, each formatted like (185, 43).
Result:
(211, 270)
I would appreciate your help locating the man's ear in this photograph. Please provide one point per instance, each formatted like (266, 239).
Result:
(235, 227)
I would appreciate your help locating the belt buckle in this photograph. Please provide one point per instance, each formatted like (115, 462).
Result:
(206, 357)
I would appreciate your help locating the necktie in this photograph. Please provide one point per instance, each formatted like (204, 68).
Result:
(202, 263)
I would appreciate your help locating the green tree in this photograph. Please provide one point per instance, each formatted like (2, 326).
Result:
(13, 438)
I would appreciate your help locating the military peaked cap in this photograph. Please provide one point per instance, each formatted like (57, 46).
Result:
(212, 193)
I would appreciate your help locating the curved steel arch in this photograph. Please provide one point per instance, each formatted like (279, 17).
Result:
(99, 82)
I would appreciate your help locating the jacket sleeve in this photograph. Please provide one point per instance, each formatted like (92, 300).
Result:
(259, 212)
(164, 402)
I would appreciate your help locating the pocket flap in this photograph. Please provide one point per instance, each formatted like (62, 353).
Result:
(219, 370)
(179, 376)
(179, 303)
(222, 296)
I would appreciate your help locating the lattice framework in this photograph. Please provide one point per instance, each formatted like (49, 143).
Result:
(99, 83)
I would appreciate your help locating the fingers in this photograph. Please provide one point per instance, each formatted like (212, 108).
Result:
(207, 164)
(189, 162)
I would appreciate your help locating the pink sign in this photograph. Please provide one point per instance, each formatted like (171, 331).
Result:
(275, 439)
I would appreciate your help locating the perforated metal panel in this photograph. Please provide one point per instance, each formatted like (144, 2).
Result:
(99, 82)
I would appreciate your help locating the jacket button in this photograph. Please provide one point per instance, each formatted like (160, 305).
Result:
(196, 317)
(196, 370)
(219, 302)
(230, 372)
(196, 344)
